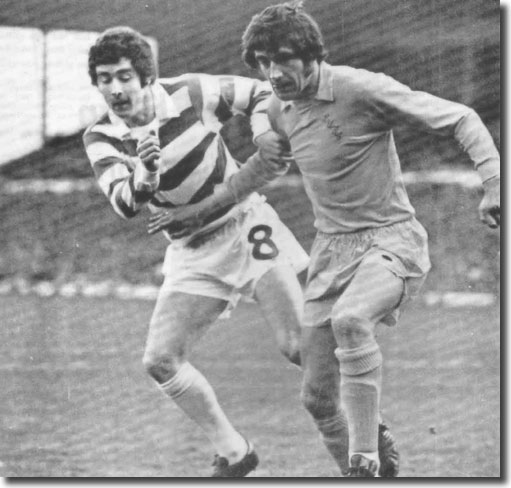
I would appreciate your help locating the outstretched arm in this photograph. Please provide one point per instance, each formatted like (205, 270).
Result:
(271, 160)
(398, 104)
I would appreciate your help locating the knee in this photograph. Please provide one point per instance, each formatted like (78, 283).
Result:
(319, 400)
(351, 329)
(358, 352)
(290, 349)
(161, 366)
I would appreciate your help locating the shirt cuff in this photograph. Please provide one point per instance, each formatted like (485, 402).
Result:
(489, 169)
(146, 180)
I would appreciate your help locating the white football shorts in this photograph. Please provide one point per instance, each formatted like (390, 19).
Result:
(228, 262)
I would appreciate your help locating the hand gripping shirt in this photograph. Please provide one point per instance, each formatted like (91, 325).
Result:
(343, 144)
(190, 111)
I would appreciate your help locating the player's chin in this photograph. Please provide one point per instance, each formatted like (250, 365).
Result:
(121, 108)
(285, 93)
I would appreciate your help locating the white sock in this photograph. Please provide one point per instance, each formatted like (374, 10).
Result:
(192, 392)
(360, 391)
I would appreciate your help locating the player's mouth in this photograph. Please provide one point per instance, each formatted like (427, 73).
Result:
(284, 88)
(121, 105)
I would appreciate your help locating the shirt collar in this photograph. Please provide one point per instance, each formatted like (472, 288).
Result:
(326, 86)
(326, 83)
(165, 109)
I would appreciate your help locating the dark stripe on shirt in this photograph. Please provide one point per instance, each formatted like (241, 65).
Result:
(252, 99)
(171, 88)
(195, 92)
(177, 126)
(101, 165)
(192, 82)
(176, 175)
(112, 185)
(123, 206)
(130, 147)
(140, 196)
(92, 137)
(216, 177)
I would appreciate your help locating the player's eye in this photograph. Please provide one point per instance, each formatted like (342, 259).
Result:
(283, 58)
(263, 61)
(104, 79)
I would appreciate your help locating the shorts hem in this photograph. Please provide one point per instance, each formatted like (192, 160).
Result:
(231, 300)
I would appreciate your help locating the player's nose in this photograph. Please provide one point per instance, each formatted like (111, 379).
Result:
(275, 71)
(116, 88)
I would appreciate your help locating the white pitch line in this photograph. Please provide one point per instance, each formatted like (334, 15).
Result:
(148, 292)
(56, 186)
(466, 179)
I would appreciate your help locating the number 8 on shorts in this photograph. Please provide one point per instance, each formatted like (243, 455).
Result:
(264, 247)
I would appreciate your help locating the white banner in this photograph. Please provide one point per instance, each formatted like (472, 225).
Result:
(71, 101)
(45, 88)
(21, 92)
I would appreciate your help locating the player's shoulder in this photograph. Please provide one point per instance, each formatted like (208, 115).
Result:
(173, 84)
(102, 121)
(348, 75)
(196, 85)
(358, 80)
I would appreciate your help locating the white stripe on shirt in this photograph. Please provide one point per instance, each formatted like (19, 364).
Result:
(179, 147)
(242, 91)
(182, 194)
(210, 87)
(100, 150)
(113, 173)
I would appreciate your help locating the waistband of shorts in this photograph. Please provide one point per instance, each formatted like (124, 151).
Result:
(211, 230)
(362, 233)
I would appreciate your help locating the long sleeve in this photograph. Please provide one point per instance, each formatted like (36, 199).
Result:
(253, 175)
(124, 180)
(399, 104)
(225, 96)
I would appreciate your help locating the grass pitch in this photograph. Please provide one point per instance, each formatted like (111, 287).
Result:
(75, 401)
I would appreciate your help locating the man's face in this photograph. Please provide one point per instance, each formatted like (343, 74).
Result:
(290, 77)
(121, 88)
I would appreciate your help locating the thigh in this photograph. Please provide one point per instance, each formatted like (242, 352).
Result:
(279, 294)
(321, 377)
(373, 293)
(179, 320)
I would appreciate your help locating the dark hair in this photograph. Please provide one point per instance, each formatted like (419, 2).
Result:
(285, 24)
(123, 42)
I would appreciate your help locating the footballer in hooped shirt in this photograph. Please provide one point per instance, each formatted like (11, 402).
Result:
(159, 146)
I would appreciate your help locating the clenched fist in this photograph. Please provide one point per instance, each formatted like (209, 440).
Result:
(148, 151)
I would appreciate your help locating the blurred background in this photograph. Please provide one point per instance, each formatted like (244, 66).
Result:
(449, 48)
